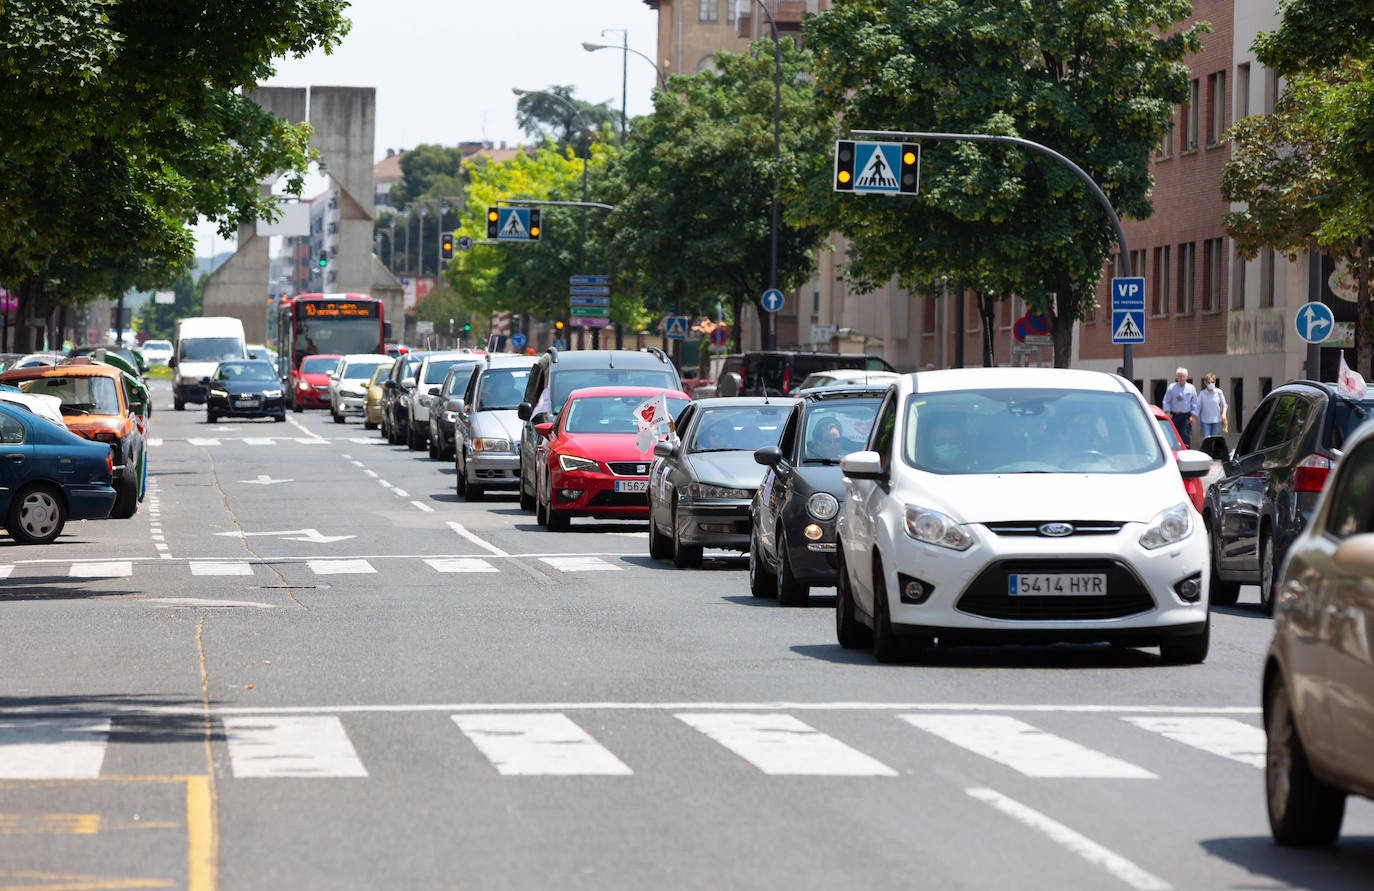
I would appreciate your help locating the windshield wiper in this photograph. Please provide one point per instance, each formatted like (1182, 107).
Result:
(704, 451)
(826, 461)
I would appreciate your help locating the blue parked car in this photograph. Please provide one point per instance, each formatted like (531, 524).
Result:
(49, 475)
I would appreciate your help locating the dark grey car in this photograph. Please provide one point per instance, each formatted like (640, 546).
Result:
(792, 533)
(702, 483)
(441, 414)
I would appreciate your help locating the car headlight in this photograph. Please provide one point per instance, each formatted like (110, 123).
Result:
(822, 506)
(302, 385)
(271, 394)
(221, 393)
(490, 444)
(933, 527)
(1168, 526)
(573, 462)
(708, 492)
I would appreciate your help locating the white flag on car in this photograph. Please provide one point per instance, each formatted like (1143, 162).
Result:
(1350, 382)
(652, 419)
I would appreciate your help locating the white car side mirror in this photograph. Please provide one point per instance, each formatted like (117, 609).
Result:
(1193, 464)
(863, 466)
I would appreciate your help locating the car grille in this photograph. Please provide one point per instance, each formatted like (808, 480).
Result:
(1032, 527)
(629, 468)
(987, 595)
(607, 498)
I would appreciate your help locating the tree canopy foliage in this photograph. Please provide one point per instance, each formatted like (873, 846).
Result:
(1095, 80)
(541, 115)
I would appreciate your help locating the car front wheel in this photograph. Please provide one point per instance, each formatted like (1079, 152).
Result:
(685, 556)
(1303, 811)
(660, 545)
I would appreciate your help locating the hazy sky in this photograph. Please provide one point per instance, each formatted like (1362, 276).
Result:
(444, 69)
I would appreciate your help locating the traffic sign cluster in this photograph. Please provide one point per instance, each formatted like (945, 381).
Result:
(589, 297)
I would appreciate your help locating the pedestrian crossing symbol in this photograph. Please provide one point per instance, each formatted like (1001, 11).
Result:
(877, 173)
(514, 227)
(513, 223)
(1127, 330)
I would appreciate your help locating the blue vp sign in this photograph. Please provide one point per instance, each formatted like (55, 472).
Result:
(1128, 309)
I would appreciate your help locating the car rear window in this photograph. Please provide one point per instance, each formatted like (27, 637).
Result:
(1346, 416)
(318, 365)
(434, 374)
(1170, 433)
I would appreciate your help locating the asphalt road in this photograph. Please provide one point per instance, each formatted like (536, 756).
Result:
(306, 663)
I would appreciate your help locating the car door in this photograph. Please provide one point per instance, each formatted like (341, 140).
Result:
(462, 418)
(861, 499)
(660, 500)
(777, 484)
(1240, 490)
(16, 459)
(534, 390)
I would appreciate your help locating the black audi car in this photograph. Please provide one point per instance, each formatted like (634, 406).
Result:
(792, 516)
(244, 389)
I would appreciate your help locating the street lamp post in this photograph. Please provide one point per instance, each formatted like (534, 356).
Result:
(772, 339)
(593, 47)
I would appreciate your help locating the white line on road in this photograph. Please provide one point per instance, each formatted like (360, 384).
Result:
(211, 568)
(539, 745)
(291, 747)
(202, 441)
(356, 463)
(260, 440)
(461, 564)
(1226, 737)
(781, 745)
(371, 473)
(315, 437)
(1114, 864)
(400, 493)
(1025, 748)
(385, 484)
(154, 442)
(472, 537)
(340, 567)
(579, 564)
(422, 506)
(53, 748)
(108, 569)
(5, 570)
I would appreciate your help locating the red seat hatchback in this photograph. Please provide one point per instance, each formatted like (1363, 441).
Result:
(589, 464)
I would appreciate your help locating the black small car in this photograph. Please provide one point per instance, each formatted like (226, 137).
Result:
(440, 415)
(398, 384)
(792, 530)
(244, 389)
(1269, 485)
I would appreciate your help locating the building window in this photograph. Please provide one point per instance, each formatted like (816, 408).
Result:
(1216, 118)
(1187, 266)
(1238, 282)
(1166, 142)
(1267, 277)
(1190, 118)
(1211, 275)
(1271, 90)
(730, 6)
(1242, 90)
(928, 315)
(708, 10)
(1160, 290)
(815, 298)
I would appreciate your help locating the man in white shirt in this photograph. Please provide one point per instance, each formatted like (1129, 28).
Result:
(1180, 401)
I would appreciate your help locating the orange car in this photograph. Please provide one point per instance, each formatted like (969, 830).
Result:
(100, 405)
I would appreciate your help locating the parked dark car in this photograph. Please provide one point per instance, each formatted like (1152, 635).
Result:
(50, 475)
(441, 416)
(244, 389)
(395, 421)
(559, 372)
(1269, 485)
(780, 372)
(792, 529)
(701, 486)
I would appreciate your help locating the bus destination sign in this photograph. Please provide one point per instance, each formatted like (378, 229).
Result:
(338, 309)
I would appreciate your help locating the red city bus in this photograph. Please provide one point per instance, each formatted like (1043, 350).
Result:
(330, 324)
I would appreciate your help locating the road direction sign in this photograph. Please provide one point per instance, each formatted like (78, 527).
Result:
(513, 223)
(589, 279)
(311, 535)
(771, 300)
(675, 327)
(1314, 322)
(588, 322)
(517, 340)
(600, 311)
(1128, 309)
(877, 168)
(589, 290)
(719, 335)
(590, 301)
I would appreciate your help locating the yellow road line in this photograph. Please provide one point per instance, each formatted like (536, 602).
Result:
(200, 835)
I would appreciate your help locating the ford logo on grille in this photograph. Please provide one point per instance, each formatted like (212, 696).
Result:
(1056, 530)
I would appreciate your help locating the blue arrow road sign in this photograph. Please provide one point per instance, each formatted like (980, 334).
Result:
(771, 300)
(1128, 309)
(589, 301)
(675, 327)
(589, 279)
(589, 290)
(1315, 322)
(517, 341)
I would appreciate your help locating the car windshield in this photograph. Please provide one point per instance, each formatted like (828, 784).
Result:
(610, 414)
(1170, 433)
(84, 394)
(211, 349)
(1028, 431)
(434, 374)
(834, 428)
(318, 364)
(501, 389)
(564, 382)
(1347, 415)
(733, 428)
(362, 369)
(256, 372)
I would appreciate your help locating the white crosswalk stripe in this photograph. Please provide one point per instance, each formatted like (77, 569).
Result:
(460, 564)
(1226, 737)
(291, 746)
(216, 568)
(1026, 748)
(259, 440)
(579, 564)
(539, 745)
(782, 745)
(202, 441)
(109, 569)
(5, 570)
(340, 567)
(52, 748)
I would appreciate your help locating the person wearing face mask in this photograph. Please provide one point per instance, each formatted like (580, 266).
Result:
(1211, 407)
(944, 441)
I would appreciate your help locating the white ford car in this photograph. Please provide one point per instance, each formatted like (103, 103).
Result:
(1015, 505)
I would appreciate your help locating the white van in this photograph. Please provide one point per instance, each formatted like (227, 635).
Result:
(200, 345)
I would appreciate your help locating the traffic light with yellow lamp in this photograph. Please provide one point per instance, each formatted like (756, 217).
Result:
(493, 216)
(446, 246)
(877, 168)
(535, 228)
(844, 166)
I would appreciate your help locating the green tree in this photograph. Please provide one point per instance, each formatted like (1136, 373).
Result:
(158, 320)
(1096, 80)
(540, 116)
(429, 171)
(695, 188)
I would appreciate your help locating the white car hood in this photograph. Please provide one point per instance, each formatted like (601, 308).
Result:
(499, 423)
(992, 498)
(194, 371)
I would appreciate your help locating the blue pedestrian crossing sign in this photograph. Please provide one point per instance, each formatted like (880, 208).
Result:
(771, 301)
(1315, 322)
(675, 327)
(1128, 309)
(513, 223)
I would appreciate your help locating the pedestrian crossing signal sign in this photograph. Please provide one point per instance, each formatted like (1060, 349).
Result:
(877, 168)
(513, 224)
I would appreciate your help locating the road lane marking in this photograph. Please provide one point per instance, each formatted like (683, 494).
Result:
(356, 463)
(291, 747)
(202, 601)
(209, 568)
(339, 567)
(384, 484)
(1026, 748)
(539, 745)
(1114, 864)
(460, 564)
(579, 564)
(202, 441)
(5, 570)
(371, 473)
(400, 493)
(107, 569)
(202, 872)
(472, 537)
(260, 440)
(362, 441)
(314, 437)
(1226, 737)
(781, 745)
(422, 506)
(53, 748)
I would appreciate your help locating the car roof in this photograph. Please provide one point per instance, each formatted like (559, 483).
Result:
(821, 394)
(1014, 379)
(742, 401)
(362, 357)
(321, 356)
(646, 392)
(605, 359)
(94, 369)
(510, 360)
(453, 354)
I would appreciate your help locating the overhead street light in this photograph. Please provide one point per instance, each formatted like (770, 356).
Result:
(593, 47)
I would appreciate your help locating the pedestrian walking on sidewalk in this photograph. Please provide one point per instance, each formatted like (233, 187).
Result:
(1180, 401)
(1211, 407)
